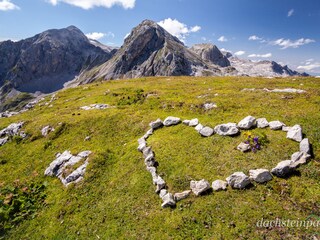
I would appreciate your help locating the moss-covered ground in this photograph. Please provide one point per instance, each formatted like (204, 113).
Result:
(117, 200)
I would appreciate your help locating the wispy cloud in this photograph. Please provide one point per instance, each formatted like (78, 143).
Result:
(290, 13)
(7, 5)
(178, 29)
(310, 67)
(254, 38)
(88, 4)
(239, 53)
(267, 55)
(225, 50)
(222, 39)
(287, 43)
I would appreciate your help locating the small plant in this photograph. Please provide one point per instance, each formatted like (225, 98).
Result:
(256, 141)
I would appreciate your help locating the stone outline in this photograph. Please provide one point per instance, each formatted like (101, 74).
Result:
(237, 180)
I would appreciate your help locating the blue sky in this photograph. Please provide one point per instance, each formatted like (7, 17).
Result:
(287, 31)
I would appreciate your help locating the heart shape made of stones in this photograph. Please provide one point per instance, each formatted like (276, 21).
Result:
(237, 180)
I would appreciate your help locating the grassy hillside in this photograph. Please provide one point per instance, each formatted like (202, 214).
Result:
(117, 200)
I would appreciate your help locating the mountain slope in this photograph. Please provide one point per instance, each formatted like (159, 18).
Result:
(48, 60)
(150, 51)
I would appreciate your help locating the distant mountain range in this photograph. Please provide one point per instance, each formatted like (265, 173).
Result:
(55, 58)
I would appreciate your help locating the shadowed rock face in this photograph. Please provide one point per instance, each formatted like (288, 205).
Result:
(48, 60)
(210, 52)
(150, 51)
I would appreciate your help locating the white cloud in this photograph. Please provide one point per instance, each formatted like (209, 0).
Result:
(225, 50)
(95, 35)
(222, 39)
(254, 38)
(178, 29)
(267, 55)
(88, 4)
(239, 53)
(310, 67)
(287, 43)
(290, 13)
(7, 5)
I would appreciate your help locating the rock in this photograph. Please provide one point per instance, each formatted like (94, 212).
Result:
(84, 154)
(186, 122)
(218, 185)
(305, 146)
(283, 168)
(156, 124)
(3, 140)
(285, 128)
(247, 123)
(206, 131)
(260, 175)
(153, 172)
(199, 127)
(299, 158)
(243, 147)
(238, 180)
(162, 193)
(168, 201)
(194, 122)
(169, 121)
(209, 106)
(46, 130)
(148, 134)
(142, 146)
(228, 129)
(295, 133)
(276, 125)
(160, 183)
(79, 172)
(179, 196)
(262, 123)
(12, 130)
(287, 90)
(150, 161)
(199, 187)
(54, 166)
(96, 106)
(147, 151)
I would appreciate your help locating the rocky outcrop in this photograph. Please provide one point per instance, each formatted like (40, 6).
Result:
(211, 53)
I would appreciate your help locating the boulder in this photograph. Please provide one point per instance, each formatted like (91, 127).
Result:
(156, 124)
(199, 127)
(182, 195)
(238, 180)
(305, 146)
(260, 175)
(283, 169)
(199, 187)
(262, 123)
(276, 125)
(206, 131)
(46, 130)
(227, 129)
(295, 133)
(169, 121)
(243, 147)
(247, 123)
(218, 185)
(54, 166)
(299, 158)
(194, 122)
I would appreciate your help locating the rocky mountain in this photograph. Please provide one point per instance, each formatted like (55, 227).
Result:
(211, 53)
(48, 60)
(151, 51)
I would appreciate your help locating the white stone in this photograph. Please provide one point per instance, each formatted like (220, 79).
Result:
(186, 122)
(182, 195)
(243, 147)
(218, 185)
(206, 131)
(227, 129)
(305, 146)
(262, 123)
(194, 122)
(299, 158)
(295, 133)
(247, 123)
(199, 187)
(209, 106)
(238, 180)
(260, 175)
(169, 121)
(283, 168)
(276, 125)
(156, 124)
(168, 201)
(199, 127)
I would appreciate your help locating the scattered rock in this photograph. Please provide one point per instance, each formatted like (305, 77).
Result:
(243, 147)
(209, 106)
(46, 130)
(295, 133)
(218, 185)
(199, 127)
(276, 125)
(238, 180)
(247, 123)
(283, 168)
(206, 131)
(260, 175)
(96, 106)
(199, 187)
(168, 201)
(194, 122)
(305, 146)
(262, 123)
(169, 121)
(182, 195)
(228, 129)
(14, 129)
(156, 124)
(87, 138)
(299, 158)
(285, 90)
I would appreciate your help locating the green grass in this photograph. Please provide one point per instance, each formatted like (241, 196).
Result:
(117, 200)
